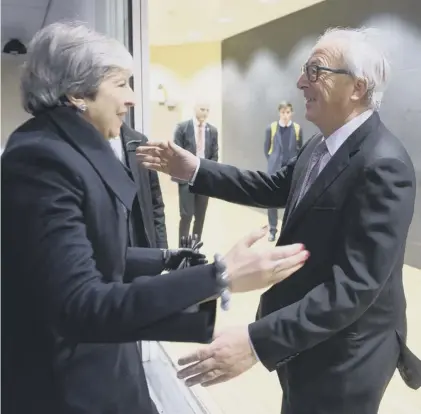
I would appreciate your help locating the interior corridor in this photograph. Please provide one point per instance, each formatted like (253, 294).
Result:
(257, 391)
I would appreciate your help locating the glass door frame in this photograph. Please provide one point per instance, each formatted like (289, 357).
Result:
(139, 46)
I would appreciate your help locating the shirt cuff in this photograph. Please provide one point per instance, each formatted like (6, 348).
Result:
(193, 179)
(252, 348)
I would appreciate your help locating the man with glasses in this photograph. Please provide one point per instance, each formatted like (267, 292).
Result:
(335, 332)
(312, 71)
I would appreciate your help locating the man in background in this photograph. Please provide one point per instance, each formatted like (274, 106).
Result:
(148, 216)
(283, 140)
(201, 139)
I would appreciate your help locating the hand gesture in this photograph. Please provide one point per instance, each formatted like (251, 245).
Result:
(168, 158)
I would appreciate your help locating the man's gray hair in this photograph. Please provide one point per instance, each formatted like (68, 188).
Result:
(68, 58)
(363, 56)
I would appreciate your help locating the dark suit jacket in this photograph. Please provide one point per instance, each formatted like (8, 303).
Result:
(69, 323)
(149, 195)
(184, 136)
(336, 329)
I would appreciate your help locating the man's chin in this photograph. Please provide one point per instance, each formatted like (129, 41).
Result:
(309, 115)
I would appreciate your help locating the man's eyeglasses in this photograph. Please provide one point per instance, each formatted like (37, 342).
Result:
(312, 71)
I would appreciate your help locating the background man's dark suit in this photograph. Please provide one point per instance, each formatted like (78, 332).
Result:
(69, 323)
(148, 209)
(335, 331)
(194, 204)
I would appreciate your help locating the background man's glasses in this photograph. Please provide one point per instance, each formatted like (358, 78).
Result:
(312, 71)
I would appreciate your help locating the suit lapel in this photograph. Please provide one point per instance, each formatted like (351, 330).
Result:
(334, 168)
(299, 174)
(86, 140)
(329, 174)
(208, 139)
(191, 136)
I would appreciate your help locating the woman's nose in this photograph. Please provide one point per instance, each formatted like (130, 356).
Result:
(131, 98)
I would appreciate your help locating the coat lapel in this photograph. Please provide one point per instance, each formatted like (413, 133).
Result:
(87, 140)
(128, 138)
(334, 168)
(140, 174)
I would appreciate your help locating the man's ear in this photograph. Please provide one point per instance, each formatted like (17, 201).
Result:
(360, 90)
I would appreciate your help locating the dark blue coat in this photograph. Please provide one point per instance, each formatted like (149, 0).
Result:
(75, 297)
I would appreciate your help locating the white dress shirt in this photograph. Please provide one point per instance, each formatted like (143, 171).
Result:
(335, 140)
(281, 124)
(196, 132)
(117, 147)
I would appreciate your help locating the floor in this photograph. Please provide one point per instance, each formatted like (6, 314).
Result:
(257, 391)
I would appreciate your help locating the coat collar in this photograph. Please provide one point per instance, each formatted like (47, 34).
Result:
(82, 136)
(131, 139)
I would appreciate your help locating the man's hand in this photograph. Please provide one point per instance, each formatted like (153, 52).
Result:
(229, 355)
(168, 158)
(174, 257)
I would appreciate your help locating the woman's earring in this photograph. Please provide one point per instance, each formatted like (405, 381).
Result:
(82, 107)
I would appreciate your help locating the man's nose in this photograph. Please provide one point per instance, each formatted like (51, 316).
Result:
(302, 81)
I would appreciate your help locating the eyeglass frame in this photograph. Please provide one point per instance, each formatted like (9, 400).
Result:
(304, 69)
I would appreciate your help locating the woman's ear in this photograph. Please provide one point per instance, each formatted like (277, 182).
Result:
(79, 103)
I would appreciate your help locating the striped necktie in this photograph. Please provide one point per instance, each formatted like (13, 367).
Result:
(314, 168)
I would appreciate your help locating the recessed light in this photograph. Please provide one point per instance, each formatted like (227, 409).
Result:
(224, 20)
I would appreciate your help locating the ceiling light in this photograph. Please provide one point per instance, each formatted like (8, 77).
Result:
(194, 36)
(224, 20)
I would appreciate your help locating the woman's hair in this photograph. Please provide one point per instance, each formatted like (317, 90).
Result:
(68, 59)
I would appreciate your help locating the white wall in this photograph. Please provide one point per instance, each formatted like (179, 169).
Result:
(12, 114)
